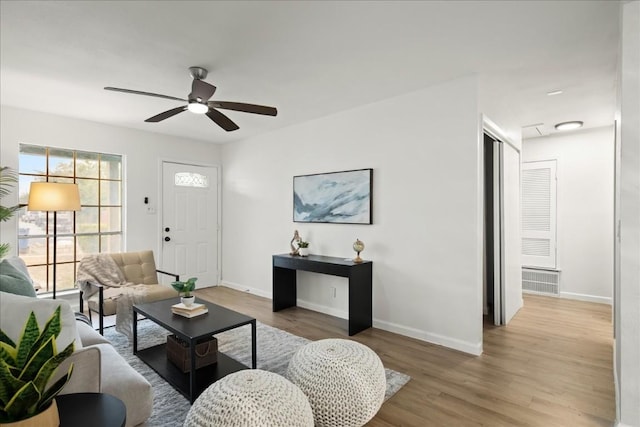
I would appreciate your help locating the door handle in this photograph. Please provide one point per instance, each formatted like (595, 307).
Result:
(167, 229)
(166, 239)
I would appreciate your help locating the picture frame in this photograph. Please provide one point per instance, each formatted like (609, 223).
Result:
(343, 197)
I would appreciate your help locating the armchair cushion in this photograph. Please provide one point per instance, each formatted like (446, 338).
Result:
(152, 292)
(15, 281)
(137, 267)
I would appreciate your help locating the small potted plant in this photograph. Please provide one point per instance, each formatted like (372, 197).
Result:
(25, 370)
(303, 248)
(185, 288)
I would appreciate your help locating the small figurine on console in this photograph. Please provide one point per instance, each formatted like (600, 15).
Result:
(295, 250)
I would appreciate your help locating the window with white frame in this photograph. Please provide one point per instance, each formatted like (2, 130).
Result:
(96, 228)
(539, 214)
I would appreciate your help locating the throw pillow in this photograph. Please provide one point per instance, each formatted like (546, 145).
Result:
(14, 281)
(15, 309)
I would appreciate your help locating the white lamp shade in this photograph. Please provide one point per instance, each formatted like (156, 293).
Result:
(53, 196)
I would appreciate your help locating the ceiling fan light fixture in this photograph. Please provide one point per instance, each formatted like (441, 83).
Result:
(575, 124)
(198, 108)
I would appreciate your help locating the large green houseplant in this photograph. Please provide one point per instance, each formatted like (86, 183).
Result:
(8, 179)
(27, 367)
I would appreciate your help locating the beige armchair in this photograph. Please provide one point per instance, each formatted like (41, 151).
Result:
(137, 270)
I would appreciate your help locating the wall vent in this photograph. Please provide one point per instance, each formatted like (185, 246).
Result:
(541, 281)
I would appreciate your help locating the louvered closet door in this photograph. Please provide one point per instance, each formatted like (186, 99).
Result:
(539, 214)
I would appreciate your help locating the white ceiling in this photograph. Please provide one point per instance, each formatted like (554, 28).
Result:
(308, 59)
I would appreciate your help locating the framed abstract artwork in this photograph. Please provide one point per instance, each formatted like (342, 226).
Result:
(334, 197)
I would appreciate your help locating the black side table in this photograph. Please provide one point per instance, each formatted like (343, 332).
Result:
(94, 409)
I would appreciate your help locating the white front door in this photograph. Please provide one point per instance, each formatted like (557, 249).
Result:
(190, 222)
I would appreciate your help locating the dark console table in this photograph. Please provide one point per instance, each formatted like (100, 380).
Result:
(359, 275)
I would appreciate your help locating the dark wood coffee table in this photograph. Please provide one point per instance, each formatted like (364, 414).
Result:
(217, 320)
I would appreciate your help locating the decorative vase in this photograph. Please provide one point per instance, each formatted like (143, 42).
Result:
(188, 300)
(303, 251)
(47, 418)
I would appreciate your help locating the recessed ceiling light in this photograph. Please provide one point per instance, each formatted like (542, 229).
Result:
(569, 125)
(554, 92)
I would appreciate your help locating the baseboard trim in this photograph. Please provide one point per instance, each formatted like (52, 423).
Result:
(247, 289)
(453, 343)
(331, 311)
(585, 297)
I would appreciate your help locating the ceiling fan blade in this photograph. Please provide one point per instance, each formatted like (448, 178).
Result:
(201, 89)
(169, 113)
(137, 92)
(221, 120)
(245, 108)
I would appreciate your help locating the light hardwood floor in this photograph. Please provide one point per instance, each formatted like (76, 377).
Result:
(551, 366)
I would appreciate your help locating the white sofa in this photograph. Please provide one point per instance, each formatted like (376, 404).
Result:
(97, 365)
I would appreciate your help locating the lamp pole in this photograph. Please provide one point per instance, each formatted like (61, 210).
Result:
(54, 197)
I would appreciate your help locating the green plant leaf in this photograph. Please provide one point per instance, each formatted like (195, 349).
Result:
(8, 353)
(49, 367)
(7, 212)
(51, 329)
(44, 353)
(29, 336)
(8, 179)
(24, 403)
(9, 384)
(4, 249)
(177, 286)
(55, 388)
(5, 339)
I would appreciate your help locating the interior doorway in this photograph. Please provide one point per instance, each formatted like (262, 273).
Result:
(502, 266)
(489, 236)
(190, 222)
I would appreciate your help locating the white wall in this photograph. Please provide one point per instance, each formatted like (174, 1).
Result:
(585, 165)
(142, 151)
(424, 242)
(627, 314)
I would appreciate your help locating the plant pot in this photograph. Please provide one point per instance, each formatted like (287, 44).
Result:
(303, 251)
(47, 418)
(187, 300)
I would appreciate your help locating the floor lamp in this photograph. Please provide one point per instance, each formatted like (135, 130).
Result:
(53, 197)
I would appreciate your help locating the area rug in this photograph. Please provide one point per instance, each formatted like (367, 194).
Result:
(275, 348)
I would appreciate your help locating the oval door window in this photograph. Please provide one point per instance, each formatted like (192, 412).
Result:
(190, 179)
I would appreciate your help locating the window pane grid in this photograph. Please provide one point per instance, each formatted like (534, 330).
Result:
(99, 221)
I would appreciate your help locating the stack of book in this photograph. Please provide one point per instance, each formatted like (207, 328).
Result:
(193, 310)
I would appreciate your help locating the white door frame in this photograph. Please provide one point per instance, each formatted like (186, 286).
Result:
(494, 131)
(161, 162)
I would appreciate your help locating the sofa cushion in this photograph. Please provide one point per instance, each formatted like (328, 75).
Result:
(86, 377)
(14, 281)
(125, 383)
(89, 336)
(15, 310)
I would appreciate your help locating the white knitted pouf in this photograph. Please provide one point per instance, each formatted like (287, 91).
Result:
(344, 381)
(251, 398)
